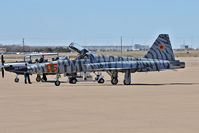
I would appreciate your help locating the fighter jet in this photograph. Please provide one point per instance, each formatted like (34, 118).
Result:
(160, 57)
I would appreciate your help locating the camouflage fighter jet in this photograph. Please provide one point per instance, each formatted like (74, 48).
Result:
(160, 57)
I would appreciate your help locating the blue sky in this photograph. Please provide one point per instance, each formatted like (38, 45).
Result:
(98, 22)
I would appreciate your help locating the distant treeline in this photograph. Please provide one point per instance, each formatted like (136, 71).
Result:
(18, 48)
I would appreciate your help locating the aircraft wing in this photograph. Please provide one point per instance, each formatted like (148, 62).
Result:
(45, 54)
(41, 54)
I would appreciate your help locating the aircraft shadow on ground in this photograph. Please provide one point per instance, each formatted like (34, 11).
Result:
(133, 84)
(162, 84)
(53, 81)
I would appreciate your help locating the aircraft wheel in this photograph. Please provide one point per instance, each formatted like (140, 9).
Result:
(127, 82)
(44, 79)
(57, 83)
(16, 80)
(114, 81)
(38, 78)
(73, 80)
(101, 81)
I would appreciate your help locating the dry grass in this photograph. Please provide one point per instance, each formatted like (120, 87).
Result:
(130, 53)
(192, 53)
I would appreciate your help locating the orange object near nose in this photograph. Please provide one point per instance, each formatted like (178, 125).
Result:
(54, 67)
(51, 67)
(48, 67)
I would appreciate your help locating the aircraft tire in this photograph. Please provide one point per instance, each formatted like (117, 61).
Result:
(72, 80)
(101, 81)
(16, 80)
(57, 83)
(114, 81)
(126, 83)
(38, 78)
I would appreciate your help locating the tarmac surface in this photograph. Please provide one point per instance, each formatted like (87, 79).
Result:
(156, 102)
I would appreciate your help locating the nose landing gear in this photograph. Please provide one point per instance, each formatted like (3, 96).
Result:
(57, 82)
(16, 79)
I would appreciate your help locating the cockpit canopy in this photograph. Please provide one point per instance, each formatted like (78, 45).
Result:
(78, 48)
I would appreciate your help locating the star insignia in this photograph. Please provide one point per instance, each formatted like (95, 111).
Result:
(161, 46)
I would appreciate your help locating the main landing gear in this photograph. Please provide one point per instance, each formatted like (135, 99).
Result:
(114, 77)
(114, 81)
(72, 78)
(39, 79)
(127, 77)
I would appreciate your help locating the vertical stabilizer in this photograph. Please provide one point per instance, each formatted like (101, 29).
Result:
(161, 49)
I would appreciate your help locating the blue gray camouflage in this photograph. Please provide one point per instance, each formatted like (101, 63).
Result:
(159, 57)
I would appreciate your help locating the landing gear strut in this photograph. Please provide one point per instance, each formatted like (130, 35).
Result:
(114, 81)
(44, 78)
(127, 77)
(114, 77)
(16, 79)
(57, 82)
